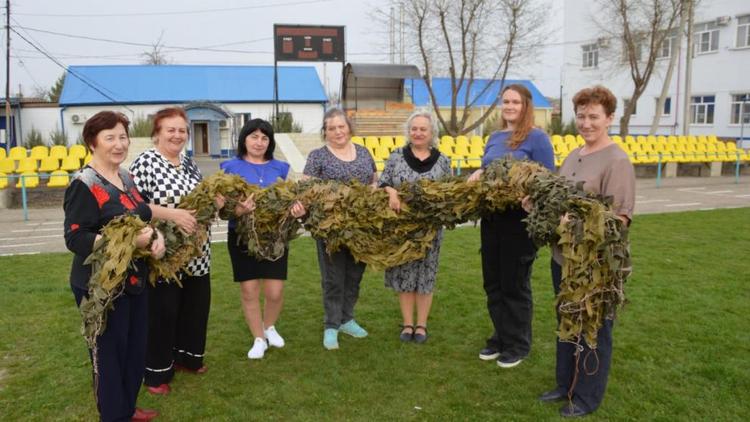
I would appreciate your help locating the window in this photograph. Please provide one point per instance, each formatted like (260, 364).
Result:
(740, 105)
(702, 109)
(666, 47)
(637, 48)
(626, 104)
(706, 37)
(743, 31)
(590, 55)
(667, 110)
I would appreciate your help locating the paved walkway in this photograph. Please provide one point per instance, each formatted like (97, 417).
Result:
(43, 231)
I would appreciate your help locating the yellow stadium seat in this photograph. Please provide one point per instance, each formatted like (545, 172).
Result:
(16, 153)
(447, 140)
(661, 139)
(39, 152)
(617, 139)
(693, 138)
(372, 141)
(556, 139)
(3, 180)
(87, 159)
(731, 146)
(58, 151)
(476, 140)
(379, 165)
(77, 151)
(701, 138)
(640, 139)
(26, 165)
(358, 140)
(387, 141)
(70, 164)
(399, 141)
(2, 153)
(446, 149)
(58, 179)
(381, 153)
(558, 160)
(49, 164)
(461, 150)
(712, 138)
(651, 138)
(7, 165)
(476, 151)
(462, 140)
(29, 180)
(473, 162)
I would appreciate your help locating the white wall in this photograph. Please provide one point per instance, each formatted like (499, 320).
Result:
(720, 73)
(43, 119)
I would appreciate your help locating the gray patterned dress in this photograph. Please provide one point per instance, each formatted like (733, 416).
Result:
(402, 166)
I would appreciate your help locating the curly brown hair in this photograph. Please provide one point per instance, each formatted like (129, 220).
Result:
(597, 94)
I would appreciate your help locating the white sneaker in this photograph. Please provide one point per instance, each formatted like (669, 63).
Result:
(274, 339)
(258, 349)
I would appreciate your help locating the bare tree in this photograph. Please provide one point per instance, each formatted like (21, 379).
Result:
(641, 27)
(156, 55)
(675, 47)
(466, 40)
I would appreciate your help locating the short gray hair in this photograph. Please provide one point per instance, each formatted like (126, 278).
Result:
(433, 125)
(336, 112)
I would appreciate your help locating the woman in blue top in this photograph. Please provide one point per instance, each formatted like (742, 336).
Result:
(255, 163)
(507, 250)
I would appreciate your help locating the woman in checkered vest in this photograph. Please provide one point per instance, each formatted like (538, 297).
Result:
(178, 316)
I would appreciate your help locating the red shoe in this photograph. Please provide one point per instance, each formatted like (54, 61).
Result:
(160, 390)
(144, 415)
(201, 370)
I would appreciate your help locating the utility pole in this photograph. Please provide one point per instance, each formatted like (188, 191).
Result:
(7, 75)
(688, 69)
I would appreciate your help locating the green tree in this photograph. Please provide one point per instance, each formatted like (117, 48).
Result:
(54, 92)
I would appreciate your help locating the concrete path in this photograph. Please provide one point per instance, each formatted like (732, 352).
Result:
(43, 231)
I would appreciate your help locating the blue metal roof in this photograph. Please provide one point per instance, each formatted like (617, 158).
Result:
(149, 84)
(442, 88)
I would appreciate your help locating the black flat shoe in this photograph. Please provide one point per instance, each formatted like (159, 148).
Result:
(406, 336)
(553, 396)
(420, 338)
(571, 410)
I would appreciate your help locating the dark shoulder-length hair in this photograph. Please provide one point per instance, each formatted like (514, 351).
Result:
(250, 127)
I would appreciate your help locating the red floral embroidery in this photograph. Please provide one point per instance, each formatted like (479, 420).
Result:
(133, 280)
(136, 194)
(126, 202)
(74, 227)
(100, 194)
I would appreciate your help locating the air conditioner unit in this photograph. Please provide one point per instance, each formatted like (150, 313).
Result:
(602, 42)
(78, 118)
(223, 124)
(723, 20)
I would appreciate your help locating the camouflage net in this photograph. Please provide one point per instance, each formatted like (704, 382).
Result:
(357, 217)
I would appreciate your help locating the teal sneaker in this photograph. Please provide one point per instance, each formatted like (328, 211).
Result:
(331, 338)
(353, 329)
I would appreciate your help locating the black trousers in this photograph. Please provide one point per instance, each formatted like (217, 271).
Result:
(507, 257)
(178, 319)
(593, 365)
(340, 277)
(121, 352)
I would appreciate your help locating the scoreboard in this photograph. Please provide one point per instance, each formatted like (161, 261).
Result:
(307, 43)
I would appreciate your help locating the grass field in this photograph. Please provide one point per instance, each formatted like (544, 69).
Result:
(682, 346)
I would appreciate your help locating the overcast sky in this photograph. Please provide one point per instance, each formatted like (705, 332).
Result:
(78, 32)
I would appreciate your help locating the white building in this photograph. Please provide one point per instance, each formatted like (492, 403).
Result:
(720, 82)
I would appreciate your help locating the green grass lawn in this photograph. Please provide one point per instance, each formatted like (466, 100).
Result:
(682, 345)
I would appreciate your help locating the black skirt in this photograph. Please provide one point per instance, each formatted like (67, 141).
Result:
(248, 267)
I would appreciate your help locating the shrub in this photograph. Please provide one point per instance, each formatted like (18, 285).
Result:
(141, 127)
(33, 139)
(285, 123)
(58, 137)
(555, 126)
